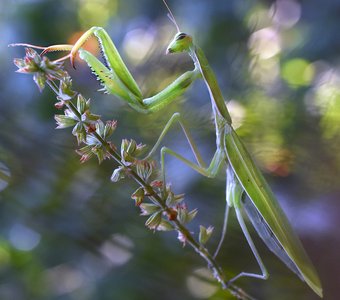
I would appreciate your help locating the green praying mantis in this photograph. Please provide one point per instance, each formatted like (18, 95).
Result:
(246, 189)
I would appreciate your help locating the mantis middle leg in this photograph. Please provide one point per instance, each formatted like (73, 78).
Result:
(210, 171)
(199, 166)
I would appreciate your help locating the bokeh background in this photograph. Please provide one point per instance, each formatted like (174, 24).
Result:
(67, 232)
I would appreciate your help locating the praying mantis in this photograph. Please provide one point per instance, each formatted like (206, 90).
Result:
(246, 189)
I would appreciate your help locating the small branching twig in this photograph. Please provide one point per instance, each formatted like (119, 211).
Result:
(165, 210)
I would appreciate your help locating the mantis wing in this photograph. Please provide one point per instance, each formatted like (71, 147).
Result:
(267, 207)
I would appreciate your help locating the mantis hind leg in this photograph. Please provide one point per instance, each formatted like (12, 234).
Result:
(264, 271)
(176, 118)
(235, 194)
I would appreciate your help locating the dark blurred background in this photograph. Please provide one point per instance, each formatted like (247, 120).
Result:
(67, 232)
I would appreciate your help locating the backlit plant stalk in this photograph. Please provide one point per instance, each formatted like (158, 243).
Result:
(165, 210)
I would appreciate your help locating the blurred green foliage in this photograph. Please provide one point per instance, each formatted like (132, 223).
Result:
(68, 233)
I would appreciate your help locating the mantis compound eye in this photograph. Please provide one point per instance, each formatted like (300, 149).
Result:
(181, 36)
(181, 42)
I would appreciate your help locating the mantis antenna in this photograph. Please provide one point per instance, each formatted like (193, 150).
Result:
(171, 16)
(26, 45)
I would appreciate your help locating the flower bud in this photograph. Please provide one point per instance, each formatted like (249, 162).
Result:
(165, 226)
(138, 196)
(64, 121)
(110, 127)
(184, 216)
(148, 209)
(81, 104)
(118, 174)
(205, 234)
(144, 169)
(154, 220)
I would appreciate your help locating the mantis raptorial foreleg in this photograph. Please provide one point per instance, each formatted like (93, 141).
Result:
(199, 166)
(116, 78)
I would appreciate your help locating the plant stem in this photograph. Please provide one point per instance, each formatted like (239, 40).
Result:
(202, 251)
(155, 198)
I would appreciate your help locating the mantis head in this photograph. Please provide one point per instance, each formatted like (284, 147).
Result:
(180, 43)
